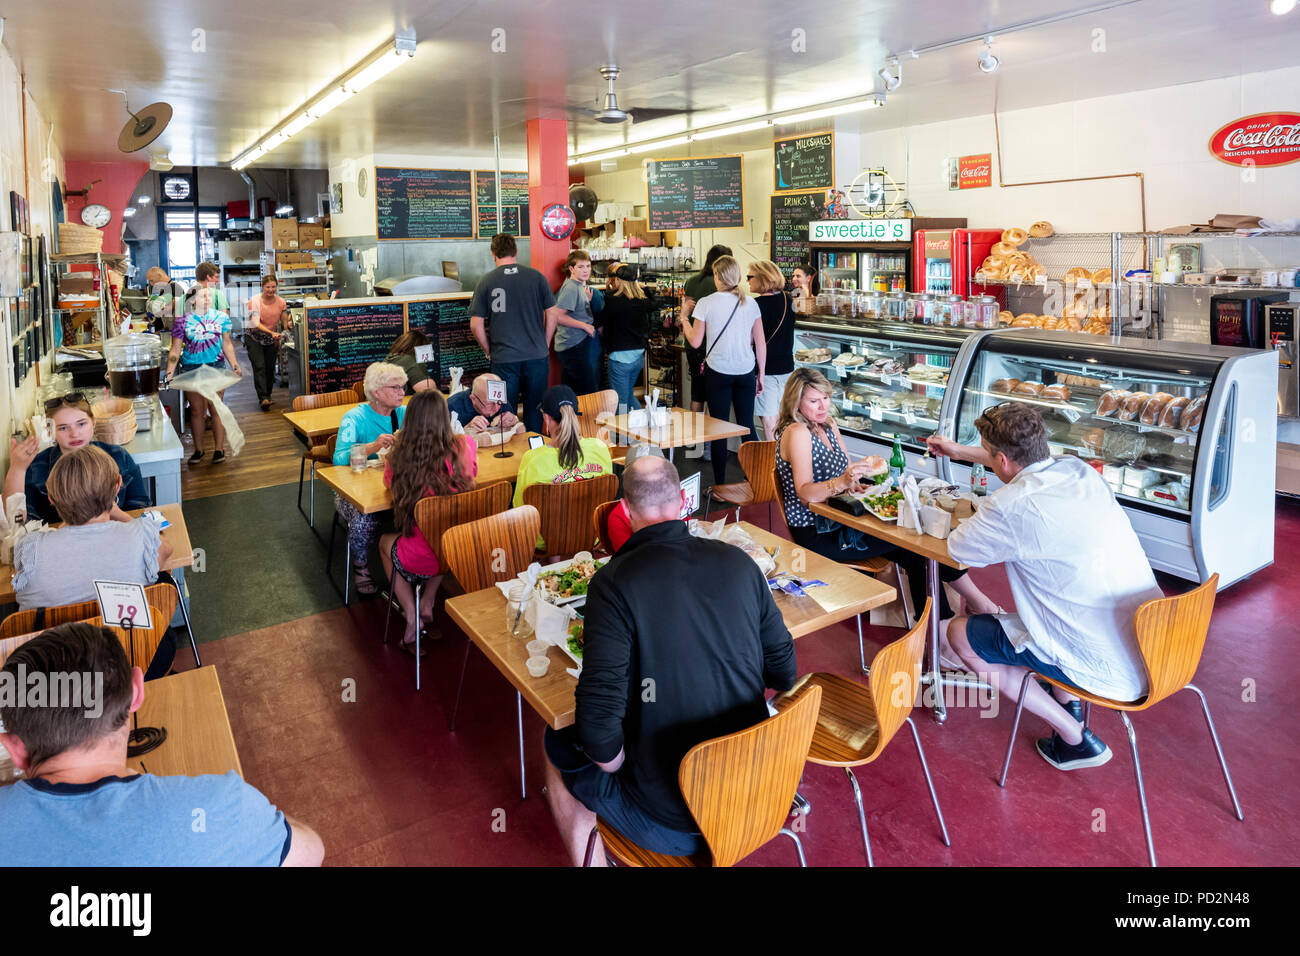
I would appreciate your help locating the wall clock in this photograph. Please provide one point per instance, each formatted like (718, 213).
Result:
(363, 182)
(96, 215)
(558, 221)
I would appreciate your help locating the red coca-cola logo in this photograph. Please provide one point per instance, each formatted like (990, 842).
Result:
(1264, 139)
(974, 172)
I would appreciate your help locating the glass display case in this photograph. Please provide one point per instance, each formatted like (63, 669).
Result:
(887, 378)
(1177, 431)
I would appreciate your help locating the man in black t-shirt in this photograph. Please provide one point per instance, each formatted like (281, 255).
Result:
(521, 307)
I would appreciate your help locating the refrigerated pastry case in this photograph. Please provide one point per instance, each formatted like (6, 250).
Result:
(1197, 486)
(886, 378)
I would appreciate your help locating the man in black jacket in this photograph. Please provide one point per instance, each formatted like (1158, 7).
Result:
(682, 637)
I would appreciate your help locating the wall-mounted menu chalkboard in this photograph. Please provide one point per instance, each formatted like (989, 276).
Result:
(703, 192)
(446, 323)
(804, 162)
(343, 339)
(788, 235)
(514, 203)
(424, 203)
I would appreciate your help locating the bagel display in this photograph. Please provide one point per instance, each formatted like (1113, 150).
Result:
(1041, 229)
(1002, 249)
(1015, 236)
(1078, 274)
(1005, 317)
(1101, 276)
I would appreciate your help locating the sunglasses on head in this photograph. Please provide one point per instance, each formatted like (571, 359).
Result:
(72, 398)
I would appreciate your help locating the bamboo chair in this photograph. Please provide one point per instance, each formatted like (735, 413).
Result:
(566, 511)
(600, 519)
(317, 454)
(146, 640)
(758, 461)
(1171, 635)
(35, 620)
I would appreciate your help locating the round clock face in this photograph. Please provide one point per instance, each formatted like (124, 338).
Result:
(96, 215)
(558, 221)
(176, 187)
(363, 182)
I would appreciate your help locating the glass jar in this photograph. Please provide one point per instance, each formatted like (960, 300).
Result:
(896, 306)
(956, 310)
(871, 305)
(521, 610)
(924, 308)
(823, 304)
(911, 302)
(942, 311)
(986, 315)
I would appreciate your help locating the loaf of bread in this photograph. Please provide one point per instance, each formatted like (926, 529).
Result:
(1093, 438)
(1150, 413)
(1057, 393)
(1173, 412)
(1111, 402)
(1027, 388)
(1132, 406)
(1192, 414)
(1004, 385)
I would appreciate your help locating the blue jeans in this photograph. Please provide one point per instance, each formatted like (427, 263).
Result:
(580, 366)
(724, 392)
(529, 378)
(623, 377)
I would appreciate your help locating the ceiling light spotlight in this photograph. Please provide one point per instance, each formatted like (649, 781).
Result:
(988, 63)
(1280, 7)
(894, 81)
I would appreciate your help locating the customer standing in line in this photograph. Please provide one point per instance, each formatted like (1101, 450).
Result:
(730, 325)
(513, 316)
(268, 315)
(576, 344)
(624, 325)
(371, 426)
(696, 288)
(768, 286)
(203, 338)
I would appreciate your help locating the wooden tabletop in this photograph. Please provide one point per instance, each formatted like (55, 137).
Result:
(176, 535)
(684, 427)
(923, 544)
(191, 708)
(365, 490)
(319, 423)
(481, 615)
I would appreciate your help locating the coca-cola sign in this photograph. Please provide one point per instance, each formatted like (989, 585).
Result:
(970, 172)
(1265, 139)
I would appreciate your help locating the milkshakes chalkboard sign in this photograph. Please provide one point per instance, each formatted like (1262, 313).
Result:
(701, 192)
(804, 162)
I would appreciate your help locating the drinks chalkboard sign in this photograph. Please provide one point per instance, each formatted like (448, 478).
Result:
(343, 339)
(788, 228)
(424, 203)
(514, 203)
(446, 323)
(702, 192)
(804, 162)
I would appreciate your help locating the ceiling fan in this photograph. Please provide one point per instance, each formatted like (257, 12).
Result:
(610, 112)
(143, 127)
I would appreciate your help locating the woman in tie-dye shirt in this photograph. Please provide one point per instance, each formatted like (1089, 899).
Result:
(203, 338)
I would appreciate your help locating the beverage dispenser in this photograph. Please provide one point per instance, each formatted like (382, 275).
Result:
(134, 368)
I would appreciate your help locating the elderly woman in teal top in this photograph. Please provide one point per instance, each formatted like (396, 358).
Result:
(203, 338)
(371, 426)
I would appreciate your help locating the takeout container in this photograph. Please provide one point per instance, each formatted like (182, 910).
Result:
(935, 521)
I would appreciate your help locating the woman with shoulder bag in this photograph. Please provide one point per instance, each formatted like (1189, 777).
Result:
(768, 286)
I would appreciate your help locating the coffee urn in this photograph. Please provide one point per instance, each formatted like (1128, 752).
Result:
(134, 368)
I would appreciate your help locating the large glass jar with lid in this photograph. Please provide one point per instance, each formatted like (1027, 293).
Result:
(986, 311)
(924, 308)
(955, 309)
(871, 305)
(896, 306)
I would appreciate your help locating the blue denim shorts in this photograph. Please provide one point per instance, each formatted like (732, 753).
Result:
(603, 794)
(986, 637)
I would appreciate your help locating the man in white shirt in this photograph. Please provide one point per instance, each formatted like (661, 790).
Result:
(1076, 569)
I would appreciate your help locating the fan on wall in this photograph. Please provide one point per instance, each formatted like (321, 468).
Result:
(143, 127)
(609, 111)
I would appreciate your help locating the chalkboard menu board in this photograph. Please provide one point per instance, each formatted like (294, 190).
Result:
(424, 203)
(514, 203)
(343, 339)
(788, 230)
(705, 192)
(804, 162)
(446, 323)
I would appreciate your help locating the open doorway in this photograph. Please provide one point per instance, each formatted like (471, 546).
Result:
(182, 249)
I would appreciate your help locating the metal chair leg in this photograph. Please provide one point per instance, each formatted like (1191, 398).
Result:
(185, 613)
(388, 613)
(417, 635)
(862, 654)
(302, 469)
(929, 783)
(1223, 764)
(592, 837)
(769, 516)
(1020, 706)
(862, 814)
(523, 780)
(904, 597)
(311, 519)
(1087, 714)
(1142, 793)
(797, 845)
(459, 686)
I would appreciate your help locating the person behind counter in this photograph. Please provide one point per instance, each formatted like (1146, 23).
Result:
(806, 284)
(768, 286)
(576, 344)
(624, 325)
(370, 426)
(475, 413)
(268, 314)
(203, 338)
(74, 427)
(402, 354)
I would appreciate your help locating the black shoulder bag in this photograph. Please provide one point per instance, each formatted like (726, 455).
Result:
(705, 360)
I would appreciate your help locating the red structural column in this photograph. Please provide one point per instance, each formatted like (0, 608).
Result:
(548, 182)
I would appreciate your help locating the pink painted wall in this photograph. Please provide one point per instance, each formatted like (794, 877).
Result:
(116, 191)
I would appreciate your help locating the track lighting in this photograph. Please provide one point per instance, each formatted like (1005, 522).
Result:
(988, 62)
(891, 81)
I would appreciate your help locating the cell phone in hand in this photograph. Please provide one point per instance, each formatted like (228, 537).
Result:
(535, 441)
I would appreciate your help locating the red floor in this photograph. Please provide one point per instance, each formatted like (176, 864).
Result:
(384, 782)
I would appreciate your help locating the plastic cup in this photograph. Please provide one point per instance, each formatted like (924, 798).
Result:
(538, 666)
(357, 458)
(537, 648)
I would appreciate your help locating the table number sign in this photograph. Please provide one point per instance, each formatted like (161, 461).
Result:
(121, 603)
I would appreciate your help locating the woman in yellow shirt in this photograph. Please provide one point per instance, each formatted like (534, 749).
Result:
(566, 456)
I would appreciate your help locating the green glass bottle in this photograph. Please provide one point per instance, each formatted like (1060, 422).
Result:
(897, 461)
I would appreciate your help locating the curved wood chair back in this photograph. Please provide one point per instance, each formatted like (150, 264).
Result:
(739, 787)
(160, 596)
(331, 443)
(324, 400)
(146, 641)
(566, 511)
(434, 515)
(1171, 633)
(359, 390)
(496, 548)
(758, 461)
(896, 679)
(600, 518)
(593, 404)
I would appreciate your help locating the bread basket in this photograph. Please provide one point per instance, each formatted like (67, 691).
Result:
(115, 422)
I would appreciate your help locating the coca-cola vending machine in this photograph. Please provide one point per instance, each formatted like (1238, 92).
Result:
(946, 259)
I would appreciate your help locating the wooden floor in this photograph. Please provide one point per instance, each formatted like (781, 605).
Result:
(271, 453)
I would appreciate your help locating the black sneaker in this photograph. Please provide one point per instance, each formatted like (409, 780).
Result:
(218, 457)
(196, 457)
(1089, 752)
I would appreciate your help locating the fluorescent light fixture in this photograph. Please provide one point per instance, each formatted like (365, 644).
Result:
(272, 141)
(658, 144)
(608, 154)
(1281, 7)
(380, 68)
(830, 111)
(283, 210)
(330, 100)
(301, 122)
(729, 130)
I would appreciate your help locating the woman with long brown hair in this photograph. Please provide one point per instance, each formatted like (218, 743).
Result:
(427, 459)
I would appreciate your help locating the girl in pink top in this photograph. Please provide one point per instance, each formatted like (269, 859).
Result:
(427, 459)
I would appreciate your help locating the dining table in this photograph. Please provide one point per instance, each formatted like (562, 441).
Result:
(683, 427)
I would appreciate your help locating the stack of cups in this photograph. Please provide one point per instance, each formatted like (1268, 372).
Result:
(538, 662)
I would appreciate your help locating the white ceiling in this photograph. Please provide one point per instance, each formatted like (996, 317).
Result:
(256, 61)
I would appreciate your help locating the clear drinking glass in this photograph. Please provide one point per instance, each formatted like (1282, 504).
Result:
(521, 610)
(357, 458)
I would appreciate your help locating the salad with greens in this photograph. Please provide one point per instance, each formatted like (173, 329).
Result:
(575, 639)
(571, 581)
(886, 505)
